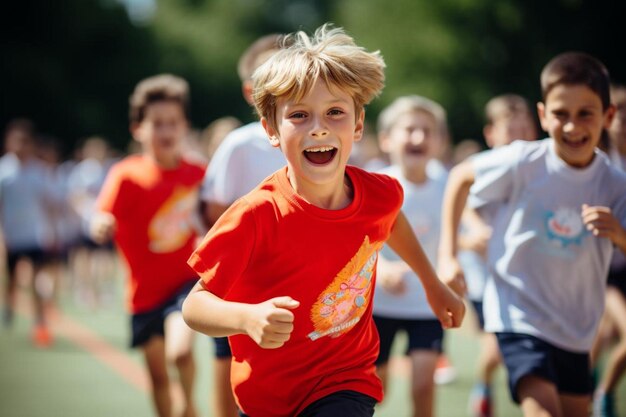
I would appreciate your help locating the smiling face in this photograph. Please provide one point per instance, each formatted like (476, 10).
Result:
(316, 135)
(162, 131)
(574, 117)
(413, 139)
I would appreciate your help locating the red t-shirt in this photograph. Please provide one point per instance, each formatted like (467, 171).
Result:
(272, 243)
(156, 212)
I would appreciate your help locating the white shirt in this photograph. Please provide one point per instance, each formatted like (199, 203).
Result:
(549, 271)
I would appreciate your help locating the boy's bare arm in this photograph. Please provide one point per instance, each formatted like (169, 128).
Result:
(602, 223)
(447, 306)
(269, 323)
(460, 180)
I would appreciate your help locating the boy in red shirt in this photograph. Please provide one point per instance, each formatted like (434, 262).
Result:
(148, 204)
(288, 271)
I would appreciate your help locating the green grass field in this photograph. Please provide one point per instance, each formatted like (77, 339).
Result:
(89, 371)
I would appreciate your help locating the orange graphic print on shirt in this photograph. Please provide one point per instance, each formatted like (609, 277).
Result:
(341, 305)
(172, 226)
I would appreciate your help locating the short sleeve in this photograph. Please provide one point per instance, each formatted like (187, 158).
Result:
(494, 175)
(114, 193)
(225, 251)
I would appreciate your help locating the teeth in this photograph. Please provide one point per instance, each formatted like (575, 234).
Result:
(320, 149)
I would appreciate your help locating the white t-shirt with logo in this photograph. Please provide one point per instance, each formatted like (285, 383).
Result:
(549, 271)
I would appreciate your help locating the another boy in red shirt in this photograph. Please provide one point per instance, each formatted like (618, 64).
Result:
(149, 204)
(288, 271)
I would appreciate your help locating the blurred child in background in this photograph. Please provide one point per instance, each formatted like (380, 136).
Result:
(410, 132)
(149, 206)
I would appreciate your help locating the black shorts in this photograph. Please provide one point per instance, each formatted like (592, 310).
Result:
(151, 323)
(526, 355)
(37, 256)
(617, 279)
(222, 348)
(478, 309)
(340, 404)
(422, 335)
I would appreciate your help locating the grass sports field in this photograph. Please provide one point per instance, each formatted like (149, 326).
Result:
(90, 372)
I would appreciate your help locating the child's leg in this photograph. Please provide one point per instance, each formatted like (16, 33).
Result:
(489, 358)
(179, 346)
(224, 404)
(423, 364)
(10, 290)
(575, 405)
(538, 397)
(616, 363)
(154, 354)
(387, 329)
(425, 348)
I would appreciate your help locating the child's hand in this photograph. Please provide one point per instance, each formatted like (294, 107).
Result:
(451, 274)
(102, 227)
(447, 306)
(601, 222)
(271, 323)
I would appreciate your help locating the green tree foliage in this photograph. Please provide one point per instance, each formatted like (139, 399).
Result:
(70, 65)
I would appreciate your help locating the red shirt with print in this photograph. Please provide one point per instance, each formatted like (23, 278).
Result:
(272, 243)
(155, 210)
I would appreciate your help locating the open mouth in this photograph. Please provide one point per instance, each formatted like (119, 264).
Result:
(320, 155)
(576, 143)
(415, 151)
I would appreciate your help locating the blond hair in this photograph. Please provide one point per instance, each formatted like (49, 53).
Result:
(410, 104)
(331, 55)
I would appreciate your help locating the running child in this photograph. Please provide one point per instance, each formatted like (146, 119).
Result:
(148, 205)
(288, 270)
(563, 209)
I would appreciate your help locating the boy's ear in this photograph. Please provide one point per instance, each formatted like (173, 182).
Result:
(133, 128)
(541, 112)
(609, 115)
(487, 134)
(359, 127)
(272, 134)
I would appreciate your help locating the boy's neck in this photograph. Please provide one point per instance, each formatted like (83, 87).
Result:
(333, 197)
(416, 175)
(170, 162)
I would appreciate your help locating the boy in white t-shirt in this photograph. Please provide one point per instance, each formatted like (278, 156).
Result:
(563, 211)
(411, 129)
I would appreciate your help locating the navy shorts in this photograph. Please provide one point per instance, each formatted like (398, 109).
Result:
(526, 355)
(340, 403)
(617, 279)
(478, 309)
(422, 334)
(222, 348)
(37, 256)
(151, 323)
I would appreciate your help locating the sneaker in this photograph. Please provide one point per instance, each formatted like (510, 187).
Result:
(41, 336)
(604, 404)
(444, 372)
(480, 402)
